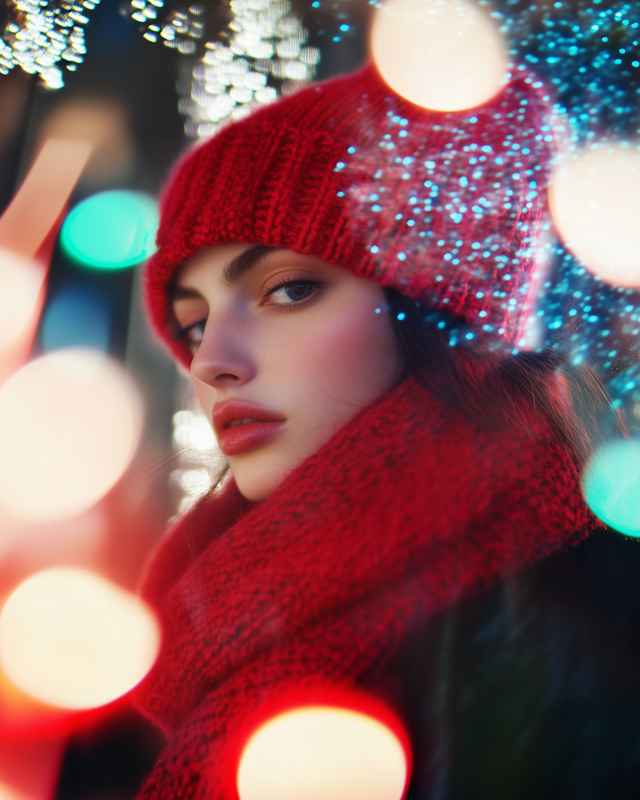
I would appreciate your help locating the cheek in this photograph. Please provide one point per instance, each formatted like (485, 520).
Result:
(342, 361)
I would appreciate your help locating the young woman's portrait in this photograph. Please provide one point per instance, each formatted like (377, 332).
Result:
(400, 294)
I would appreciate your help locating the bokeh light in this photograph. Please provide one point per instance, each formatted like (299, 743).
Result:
(446, 55)
(69, 425)
(39, 37)
(70, 638)
(42, 196)
(317, 752)
(611, 485)
(111, 230)
(21, 284)
(77, 315)
(103, 123)
(595, 203)
(262, 52)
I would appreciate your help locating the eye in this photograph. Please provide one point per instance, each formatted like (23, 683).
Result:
(193, 334)
(292, 293)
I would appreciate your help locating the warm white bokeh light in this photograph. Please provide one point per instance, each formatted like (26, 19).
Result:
(20, 294)
(595, 203)
(69, 425)
(446, 55)
(70, 638)
(320, 752)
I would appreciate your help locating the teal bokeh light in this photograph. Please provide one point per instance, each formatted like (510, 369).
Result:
(611, 485)
(111, 230)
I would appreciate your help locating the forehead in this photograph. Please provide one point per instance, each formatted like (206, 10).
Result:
(209, 264)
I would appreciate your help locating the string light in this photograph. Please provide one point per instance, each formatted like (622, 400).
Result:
(178, 31)
(262, 52)
(39, 35)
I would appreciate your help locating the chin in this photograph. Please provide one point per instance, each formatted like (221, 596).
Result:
(257, 482)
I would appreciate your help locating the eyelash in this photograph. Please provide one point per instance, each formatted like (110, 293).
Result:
(305, 281)
(302, 280)
(182, 334)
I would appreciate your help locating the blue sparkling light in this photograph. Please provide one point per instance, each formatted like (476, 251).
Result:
(588, 54)
(583, 57)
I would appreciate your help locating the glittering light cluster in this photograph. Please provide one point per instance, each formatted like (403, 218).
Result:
(430, 182)
(593, 322)
(262, 53)
(40, 34)
(178, 31)
(589, 55)
(588, 52)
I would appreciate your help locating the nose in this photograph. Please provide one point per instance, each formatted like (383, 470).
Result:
(224, 357)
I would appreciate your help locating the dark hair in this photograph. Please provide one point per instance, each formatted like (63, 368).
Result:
(497, 388)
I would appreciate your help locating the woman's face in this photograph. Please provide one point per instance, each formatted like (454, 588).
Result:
(287, 349)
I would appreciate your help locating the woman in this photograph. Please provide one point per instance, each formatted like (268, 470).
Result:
(379, 476)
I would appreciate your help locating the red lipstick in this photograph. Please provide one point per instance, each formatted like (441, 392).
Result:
(242, 426)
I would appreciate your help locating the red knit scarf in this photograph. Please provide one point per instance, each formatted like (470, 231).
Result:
(407, 509)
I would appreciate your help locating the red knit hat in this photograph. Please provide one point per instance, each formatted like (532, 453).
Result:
(444, 207)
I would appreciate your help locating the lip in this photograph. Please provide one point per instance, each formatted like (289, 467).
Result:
(235, 439)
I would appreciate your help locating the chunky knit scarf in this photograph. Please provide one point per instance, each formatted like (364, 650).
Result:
(404, 511)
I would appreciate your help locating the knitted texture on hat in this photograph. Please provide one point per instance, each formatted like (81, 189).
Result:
(444, 207)
(406, 510)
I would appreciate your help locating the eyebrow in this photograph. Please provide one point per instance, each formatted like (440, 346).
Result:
(231, 274)
(182, 293)
(241, 264)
